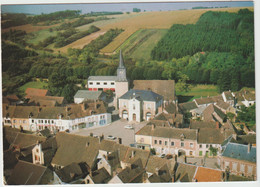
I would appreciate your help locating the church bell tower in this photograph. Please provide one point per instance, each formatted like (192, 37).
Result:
(121, 83)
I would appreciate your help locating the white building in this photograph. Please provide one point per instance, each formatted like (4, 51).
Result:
(139, 105)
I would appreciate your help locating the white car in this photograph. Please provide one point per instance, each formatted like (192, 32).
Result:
(128, 127)
(111, 137)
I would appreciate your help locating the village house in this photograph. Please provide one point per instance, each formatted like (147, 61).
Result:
(187, 107)
(167, 140)
(239, 159)
(139, 105)
(86, 95)
(207, 100)
(44, 101)
(213, 113)
(11, 100)
(161, 175)
(174, 120)
(203, 174)
(244, 97)
(26, 173)
(165, 88)
(70, 117)
(32, 92)
(228, 97)
(185, 172)
(100, 176)
(133, 173)
(225, 107)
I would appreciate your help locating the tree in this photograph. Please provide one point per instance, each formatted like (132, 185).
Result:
(69, 91)
(182, 85)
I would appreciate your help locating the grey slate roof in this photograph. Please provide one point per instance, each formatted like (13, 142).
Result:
(86, 94)
(102, 78)
(240, 152)
(144, 95)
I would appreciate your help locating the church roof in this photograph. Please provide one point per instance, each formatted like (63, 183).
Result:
(144, 95)
(121, 62)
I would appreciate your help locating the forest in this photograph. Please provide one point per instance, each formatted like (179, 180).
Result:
(224, 44)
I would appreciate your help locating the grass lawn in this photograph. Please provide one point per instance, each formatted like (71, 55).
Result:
(197, 91)
(33, 84)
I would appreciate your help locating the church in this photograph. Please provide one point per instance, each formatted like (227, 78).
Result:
(118, 84)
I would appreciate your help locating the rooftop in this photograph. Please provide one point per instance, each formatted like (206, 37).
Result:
(102, 78)
(142, 95)
(167, 132)
(165, 88)
(240, 152)
(86, 94)
(36, 92)
(208, 175)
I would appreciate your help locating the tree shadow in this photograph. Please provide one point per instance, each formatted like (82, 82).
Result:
(183, 99)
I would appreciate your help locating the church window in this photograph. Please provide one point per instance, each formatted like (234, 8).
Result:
(134, 107)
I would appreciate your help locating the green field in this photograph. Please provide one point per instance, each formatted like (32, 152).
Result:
(33, 84)
(140, 44)
(38, 36)
(197, 91)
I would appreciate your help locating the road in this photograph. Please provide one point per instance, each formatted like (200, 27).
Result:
(116, 129)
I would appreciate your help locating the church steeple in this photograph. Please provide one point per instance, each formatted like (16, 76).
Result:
(121, 70)
(121, 61)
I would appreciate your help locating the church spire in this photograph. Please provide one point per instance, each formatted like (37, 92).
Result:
(121, 62)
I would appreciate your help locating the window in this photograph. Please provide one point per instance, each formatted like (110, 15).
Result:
(105, 83)
(250, 170)
(32, 121)
(24, 121)
(172, 143)
(160, 142)
(226, 164)
(133, 106)
(91, 83)
(191, 145)
(87, 181)
(14, 121)
(155, 141)
(112, 83)
(191, 153)
(165, 143)
(182, 144)
(200, 153)
(242, 168)
(207, 146)
(200, 145)
(98, 83)
(234, 166)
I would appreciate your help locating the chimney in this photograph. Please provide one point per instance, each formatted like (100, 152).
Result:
(248, 148)
(217, 125)
(119, 140)
(157, 171)
(133, 154)
(153, 127)
(87, 144)
(234, 136)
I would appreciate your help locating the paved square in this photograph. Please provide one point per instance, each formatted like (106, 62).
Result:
(116, 129)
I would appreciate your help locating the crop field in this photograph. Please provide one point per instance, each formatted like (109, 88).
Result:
(140, 44)
(197, 91)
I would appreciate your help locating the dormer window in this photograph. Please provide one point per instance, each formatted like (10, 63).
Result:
(182, 137)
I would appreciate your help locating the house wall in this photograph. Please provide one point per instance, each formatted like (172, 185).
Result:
(135, 108)
(149, 107)
(88, 180)
(202, 148)
(115, 180)
(103, 163)
(78, 100)
(109, 85)
(17, 122)
(238, 170)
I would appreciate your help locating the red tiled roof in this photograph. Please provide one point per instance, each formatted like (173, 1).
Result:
(208, 175)
(35, 92)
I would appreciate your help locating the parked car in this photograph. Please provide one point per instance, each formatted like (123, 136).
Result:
(110, 137)
(128, 127)
(162, 155)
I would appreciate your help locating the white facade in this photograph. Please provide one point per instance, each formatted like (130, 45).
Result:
(95, 85)
(70, 124)
(135, 110)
